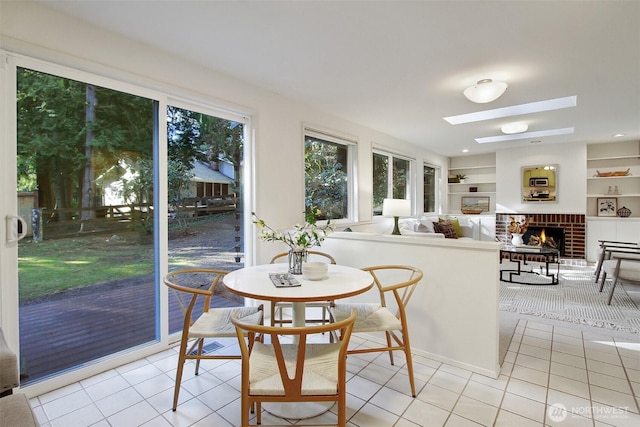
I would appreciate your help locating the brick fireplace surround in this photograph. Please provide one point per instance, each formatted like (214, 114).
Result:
(573, 224)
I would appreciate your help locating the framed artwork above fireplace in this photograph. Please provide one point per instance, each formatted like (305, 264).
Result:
(539, 183)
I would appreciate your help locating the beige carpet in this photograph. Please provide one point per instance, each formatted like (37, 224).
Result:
(574, 302)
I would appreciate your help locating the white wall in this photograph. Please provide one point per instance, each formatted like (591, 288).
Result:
(453, 313)
(26, 28)
(571, 178)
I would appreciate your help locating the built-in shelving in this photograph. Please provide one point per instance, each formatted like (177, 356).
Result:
(481, 175)
(611, 157)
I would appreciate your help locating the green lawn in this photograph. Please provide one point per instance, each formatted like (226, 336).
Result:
(60, 264)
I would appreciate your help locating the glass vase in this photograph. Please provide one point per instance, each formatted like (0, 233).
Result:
(296, 258)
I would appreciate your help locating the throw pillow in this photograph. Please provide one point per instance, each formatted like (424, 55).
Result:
(456, 225)
(420, 228)
(445, 228)
(428, 223)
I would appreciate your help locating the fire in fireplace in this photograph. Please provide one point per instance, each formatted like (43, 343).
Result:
(550, 237)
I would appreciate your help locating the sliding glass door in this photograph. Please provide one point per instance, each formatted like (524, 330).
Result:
(85, 181)
(205, 155)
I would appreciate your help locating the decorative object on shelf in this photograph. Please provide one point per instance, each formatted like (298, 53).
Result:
(396, 208)
(485, 90)
(473, 189)
(461, 178)
(516, 239)
(615, 190)
(607, 206)
(453, 180)
(299, 240)
(609, 191)
(624, 212)
(615, 173)
(474, 205)
(518, 227)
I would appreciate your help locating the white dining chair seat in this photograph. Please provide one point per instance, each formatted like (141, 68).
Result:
(218, 321)
(320, 369)
(371, 317)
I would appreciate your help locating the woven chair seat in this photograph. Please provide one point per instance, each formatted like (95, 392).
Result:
(217, 323)
(320, 369)
(371, 317)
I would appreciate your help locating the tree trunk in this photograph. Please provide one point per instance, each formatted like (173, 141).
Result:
(87, 179)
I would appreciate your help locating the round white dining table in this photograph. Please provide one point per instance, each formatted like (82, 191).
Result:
(340, 282)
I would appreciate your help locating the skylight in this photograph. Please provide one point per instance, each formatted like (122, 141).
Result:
(515, 110)
(526, 135)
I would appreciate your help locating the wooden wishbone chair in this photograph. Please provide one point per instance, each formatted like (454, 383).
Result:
(193, 289)
(395, 283)
(275, 371)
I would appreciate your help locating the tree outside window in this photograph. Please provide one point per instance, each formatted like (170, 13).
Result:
(391, 179)
(430, 188)
(326, 177)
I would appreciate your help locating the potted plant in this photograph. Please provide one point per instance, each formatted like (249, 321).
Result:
(461, 178)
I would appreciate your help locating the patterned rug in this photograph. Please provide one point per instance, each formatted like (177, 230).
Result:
(575, 299)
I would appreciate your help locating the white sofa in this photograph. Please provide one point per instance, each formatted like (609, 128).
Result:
(473, 227)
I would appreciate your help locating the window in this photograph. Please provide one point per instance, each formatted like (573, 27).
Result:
(328, 176)
(391, 178)
(430, 176)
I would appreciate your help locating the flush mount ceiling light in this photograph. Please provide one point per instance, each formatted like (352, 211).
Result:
(526, 135)
(486, 90)
(515, 110)
(511, 128)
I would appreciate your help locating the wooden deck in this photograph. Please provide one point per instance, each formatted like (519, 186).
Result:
(82, 326)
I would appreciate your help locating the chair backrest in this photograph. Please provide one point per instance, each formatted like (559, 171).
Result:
(193, 284)
(399, 280)
(292, 376)
(311, 254)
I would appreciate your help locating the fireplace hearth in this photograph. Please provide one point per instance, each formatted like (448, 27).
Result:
(546, 237)
(573, 242)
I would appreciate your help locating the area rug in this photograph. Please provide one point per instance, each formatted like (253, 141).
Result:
(575, 299)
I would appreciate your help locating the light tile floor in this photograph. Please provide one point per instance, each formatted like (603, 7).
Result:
(552, 376)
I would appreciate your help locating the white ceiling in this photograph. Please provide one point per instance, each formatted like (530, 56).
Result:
(400, 66)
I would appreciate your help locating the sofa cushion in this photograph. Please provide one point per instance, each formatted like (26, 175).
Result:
(456, 225)
(427, 222)
(445, 228)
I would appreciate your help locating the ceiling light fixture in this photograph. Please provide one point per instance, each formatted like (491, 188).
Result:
(515, 110)
(511, 128)
(526, 135)
(618, 135)
(486, 90)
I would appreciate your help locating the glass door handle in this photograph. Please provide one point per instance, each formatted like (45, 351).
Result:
(16, 228)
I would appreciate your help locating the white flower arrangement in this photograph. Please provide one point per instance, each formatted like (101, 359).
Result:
(302, 237)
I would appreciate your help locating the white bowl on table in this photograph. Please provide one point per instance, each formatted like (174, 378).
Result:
(314, 270)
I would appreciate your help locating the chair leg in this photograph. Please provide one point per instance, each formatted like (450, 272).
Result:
(388, 334)
(599, 267)
(407, 355)
(200, 346)
(244, 407)
(604, 278)
(181, 360)
(613, 286)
